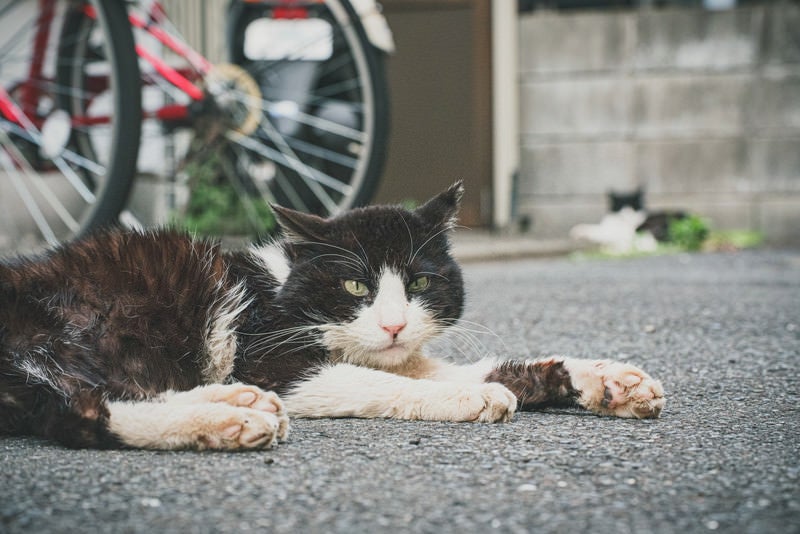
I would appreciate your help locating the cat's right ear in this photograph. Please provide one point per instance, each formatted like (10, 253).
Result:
(300, 227)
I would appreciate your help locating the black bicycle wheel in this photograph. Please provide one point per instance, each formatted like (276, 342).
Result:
(299, 117)
(68, 155)
(330, 107)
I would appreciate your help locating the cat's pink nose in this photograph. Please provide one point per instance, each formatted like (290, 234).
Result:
(393, 329)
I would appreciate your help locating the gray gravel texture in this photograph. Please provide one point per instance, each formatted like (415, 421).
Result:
(721, 331)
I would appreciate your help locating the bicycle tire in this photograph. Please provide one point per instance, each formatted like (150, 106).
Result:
(354, 166)
(68, 183)
(112, 196)
(376, 60)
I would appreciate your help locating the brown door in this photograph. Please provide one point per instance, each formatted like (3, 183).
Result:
(440, 81)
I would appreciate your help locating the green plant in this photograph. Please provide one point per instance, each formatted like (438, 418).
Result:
(689, 232)
(215, 207)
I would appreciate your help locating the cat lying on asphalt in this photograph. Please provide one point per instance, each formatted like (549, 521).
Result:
(157, 340)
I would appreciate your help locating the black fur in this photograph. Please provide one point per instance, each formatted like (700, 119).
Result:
(537, 384)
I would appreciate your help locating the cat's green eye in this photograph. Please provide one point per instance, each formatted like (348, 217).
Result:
(356, 288)
(419, 284)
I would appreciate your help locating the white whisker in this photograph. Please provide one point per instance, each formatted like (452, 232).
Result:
(440, 232)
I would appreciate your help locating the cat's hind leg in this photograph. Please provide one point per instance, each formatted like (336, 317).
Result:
(602, 386)
(221, 417)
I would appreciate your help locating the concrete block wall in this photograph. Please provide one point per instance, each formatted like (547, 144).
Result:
(701, 108)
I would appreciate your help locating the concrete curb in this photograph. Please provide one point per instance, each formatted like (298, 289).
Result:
(481, 245)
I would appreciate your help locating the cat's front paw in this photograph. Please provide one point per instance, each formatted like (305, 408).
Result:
(484, 403)
(225, 427)
(240, 395)
(499, 404)
(615, 388)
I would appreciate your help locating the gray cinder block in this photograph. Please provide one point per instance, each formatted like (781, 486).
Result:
(774, 164)
(690, 106)
(697, 39)
(700, 107)
(566, 108)
(593, 41)
(773, 102)
(588, 168)
(693, 166)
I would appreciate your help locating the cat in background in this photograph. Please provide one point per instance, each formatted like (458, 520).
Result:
(628, 226)
(158, 340)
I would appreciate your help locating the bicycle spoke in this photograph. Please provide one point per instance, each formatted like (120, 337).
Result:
(316, 150)
(16, 38)
(290, 162)
(294, 198)
(22, 190)
(51, 198)
(74, 180)
(299, 167)
(322, 153)
(64, 158)
(244, 198)
(339, 87)
(317, 122)
(8, 6)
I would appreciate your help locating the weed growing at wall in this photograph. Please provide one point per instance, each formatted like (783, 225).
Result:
(216, 207)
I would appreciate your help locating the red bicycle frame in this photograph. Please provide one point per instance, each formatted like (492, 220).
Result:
(31, 89)
(184, 79)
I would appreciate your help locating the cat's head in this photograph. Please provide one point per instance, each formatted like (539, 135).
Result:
(380, 281)
(630, 199)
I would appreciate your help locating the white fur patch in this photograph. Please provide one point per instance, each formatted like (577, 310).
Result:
(369, 339)
(351, 391)
(390, 305)
(229, 417)
(221, 337)
(474, 373)
(273, 258)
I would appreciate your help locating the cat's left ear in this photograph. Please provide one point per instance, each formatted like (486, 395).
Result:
(442, 210)
(298, 226)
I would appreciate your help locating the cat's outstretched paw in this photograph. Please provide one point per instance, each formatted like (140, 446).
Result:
(240, 395)
(615, 388)
(499, 404)
(225, 427)
(486, 403)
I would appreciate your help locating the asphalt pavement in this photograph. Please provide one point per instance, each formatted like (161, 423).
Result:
(722, 332)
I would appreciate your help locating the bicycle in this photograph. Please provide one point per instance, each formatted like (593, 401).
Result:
(301, 121)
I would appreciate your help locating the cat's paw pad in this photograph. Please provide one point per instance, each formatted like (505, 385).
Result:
(236, 428)
(247, 396)
(238, 395)
(487, 403)
(614, 388)
(630, 392)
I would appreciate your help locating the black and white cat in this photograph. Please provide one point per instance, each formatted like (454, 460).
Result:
(157, 340)
(628, 226)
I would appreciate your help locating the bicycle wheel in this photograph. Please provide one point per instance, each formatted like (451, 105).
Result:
(69, 119)
(303, 111)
